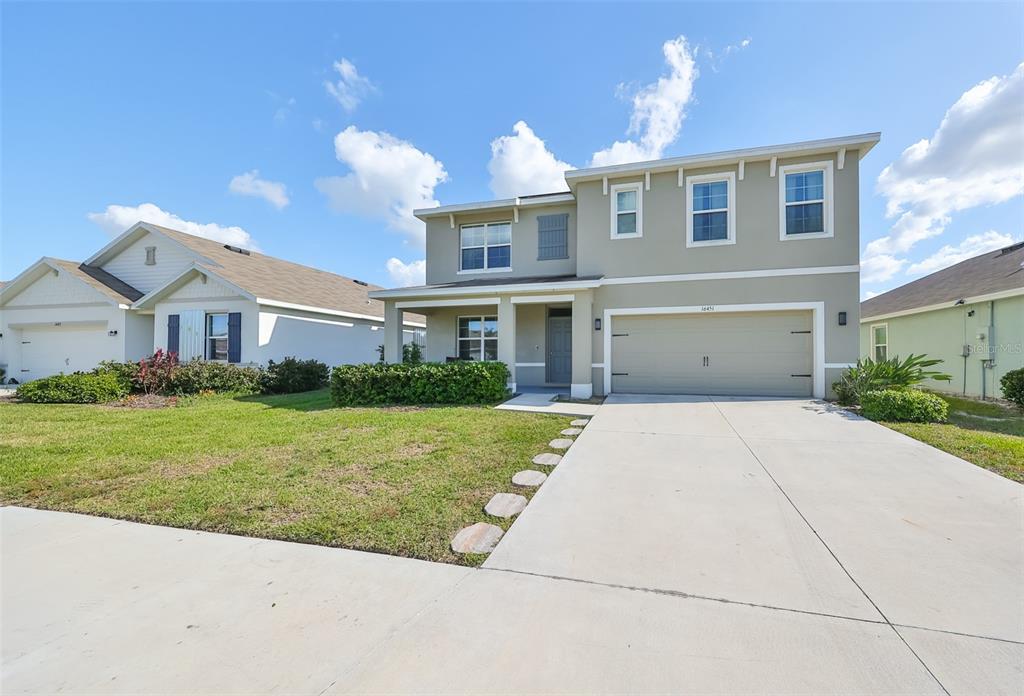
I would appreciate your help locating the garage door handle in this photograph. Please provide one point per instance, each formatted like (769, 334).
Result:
(795, 332)
(616, 335)
(620, 374)
(800, 375)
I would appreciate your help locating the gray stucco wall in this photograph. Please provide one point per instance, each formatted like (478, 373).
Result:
(443, 245)
(662, 249)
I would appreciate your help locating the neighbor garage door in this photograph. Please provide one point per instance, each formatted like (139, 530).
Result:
(48, 351)
(750, 354)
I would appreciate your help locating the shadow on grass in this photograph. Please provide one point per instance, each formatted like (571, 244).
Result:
(320, 400)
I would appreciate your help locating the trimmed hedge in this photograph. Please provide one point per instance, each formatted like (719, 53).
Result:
(1013, 386)
(373, 384)
(76, 388)
(293, 375)
(903, 405)
(197, 376)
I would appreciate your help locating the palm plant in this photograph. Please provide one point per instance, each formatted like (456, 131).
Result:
(893, 373)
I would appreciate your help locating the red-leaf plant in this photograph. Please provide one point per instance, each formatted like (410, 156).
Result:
(156, 372)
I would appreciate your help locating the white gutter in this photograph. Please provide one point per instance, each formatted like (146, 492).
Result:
(332, 312)
(554, 198)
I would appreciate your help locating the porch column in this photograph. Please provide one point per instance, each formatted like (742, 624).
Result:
(507, 337)
(582, 386)
(392, 332)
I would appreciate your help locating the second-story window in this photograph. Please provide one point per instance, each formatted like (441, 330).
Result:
(805, 200)
(627, 211)
(710, 209)
(486, 247)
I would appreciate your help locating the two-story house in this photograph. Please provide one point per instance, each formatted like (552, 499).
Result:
(725, 273)
(159, 288)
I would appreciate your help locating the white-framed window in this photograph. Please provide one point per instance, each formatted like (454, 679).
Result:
(711, 209)
(805, 200)
(484, 247)
(217, 337)
(627, 211)
(880, 342)
(478, 338)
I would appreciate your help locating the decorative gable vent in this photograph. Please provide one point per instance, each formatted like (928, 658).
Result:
(151, 256)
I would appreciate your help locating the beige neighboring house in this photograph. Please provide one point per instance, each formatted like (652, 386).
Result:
(970, 316)
(155, 287)
(725, 273)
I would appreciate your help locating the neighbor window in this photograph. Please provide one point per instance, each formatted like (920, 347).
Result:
(880, 341)
(710, 209)
(216, 336)
(478, 338)
(805, 200)
(627, 211)
(486, 246)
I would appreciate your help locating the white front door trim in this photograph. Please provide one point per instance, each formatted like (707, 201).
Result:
(817, 320)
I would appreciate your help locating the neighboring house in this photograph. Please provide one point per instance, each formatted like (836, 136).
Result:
(727, 273)
(971, 316)
(155, 287)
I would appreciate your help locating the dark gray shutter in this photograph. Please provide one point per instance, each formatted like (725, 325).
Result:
(172, 333)
(552, 237)
(235, 337)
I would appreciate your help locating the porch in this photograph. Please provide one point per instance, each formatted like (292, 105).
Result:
(545, 338)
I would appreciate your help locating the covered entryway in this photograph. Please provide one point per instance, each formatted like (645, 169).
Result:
(748, 353)
(64, 347)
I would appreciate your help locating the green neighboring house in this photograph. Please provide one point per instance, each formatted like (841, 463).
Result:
(970, 315)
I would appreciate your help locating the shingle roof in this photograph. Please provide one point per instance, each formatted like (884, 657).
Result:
(995, 271)
(272, 278)
(97, 278)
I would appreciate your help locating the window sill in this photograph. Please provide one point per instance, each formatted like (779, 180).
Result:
(709, 243)
(810, 235)
(638, 235)
(476, 271)
(553, 258)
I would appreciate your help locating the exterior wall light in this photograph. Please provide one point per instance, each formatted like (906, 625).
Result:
(597, 324)
(842, 318)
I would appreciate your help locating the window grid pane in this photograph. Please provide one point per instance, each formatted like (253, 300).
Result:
(478, 338)
(710, 226)
(625, 223)
(499, 256)
(486, 246)
(805, 218)
(712, 195)
(805, 186)
(625, 201)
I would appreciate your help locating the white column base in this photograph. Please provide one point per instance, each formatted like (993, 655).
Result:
(581, 391)
(512, 387)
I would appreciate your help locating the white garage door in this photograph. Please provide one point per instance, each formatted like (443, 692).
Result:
(748, 354)
(48, 351)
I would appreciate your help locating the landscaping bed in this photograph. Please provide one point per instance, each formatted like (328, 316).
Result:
(394, 480)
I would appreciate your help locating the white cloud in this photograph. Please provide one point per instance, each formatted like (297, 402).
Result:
(351, 87)
(973, 159)
(880, 268)
(948, 255)
(715, 60)
(250, 184)
(521, 164)
(868, 294)
(389, 178)
(117, 218)
(658, 109)
(406, 274)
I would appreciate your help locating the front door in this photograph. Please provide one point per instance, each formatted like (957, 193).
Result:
(559, 344)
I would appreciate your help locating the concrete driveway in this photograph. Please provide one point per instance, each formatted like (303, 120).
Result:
(683, 545)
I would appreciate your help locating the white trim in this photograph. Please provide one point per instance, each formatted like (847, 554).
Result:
(839, 366)
(529, 364)
(871, 340)
(950, 304)
(581, 391)
(332, 312)
(604, 186)
(730, 275)
(482, 270)
(542, 299)
(827, 201)
(841, 158)
(451, 220)
(639, 212)
(742, 166)
(468, 302)
(730, 208)
(473, 290)
(647, 180)
(679, 178)
(485, 246)
(528, 202)
(156, 293)
(773, 167)
(20, 283)
(596, 366)
(817, 318)
(332, 322)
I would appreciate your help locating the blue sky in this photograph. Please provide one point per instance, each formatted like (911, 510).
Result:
(177, 105)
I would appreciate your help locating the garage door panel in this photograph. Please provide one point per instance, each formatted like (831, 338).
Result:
(756, 354)
(50, 351)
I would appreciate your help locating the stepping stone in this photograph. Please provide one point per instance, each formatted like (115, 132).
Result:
(572, 431)
(547, 459)
(560, 443)
(580, 422)
(505, 505)
(477, 538)
(529, 478)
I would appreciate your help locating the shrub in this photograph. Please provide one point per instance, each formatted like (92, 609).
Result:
(156, 372)
(1013, 386)
(293, 375)
(198, 376)
(76, 388)
(903, 405)
(868, 375)
(466, 382)
(126, 372)
(412, 353)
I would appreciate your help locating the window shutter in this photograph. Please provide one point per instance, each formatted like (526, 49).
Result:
(552, 236)
(172, 333)
(235, 337)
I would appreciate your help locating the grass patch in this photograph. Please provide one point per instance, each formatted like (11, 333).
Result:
(984, 433)
(394, 480)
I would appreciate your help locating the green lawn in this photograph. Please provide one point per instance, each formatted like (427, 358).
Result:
(982, 432)
(396, 480)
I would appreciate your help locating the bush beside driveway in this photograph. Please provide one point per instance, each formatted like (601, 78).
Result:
(395, 480)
